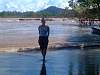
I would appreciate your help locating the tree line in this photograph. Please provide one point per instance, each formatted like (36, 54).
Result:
(86, 8)
(15, 14)
(30, 14)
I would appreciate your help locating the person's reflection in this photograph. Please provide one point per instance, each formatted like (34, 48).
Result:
(43, 69)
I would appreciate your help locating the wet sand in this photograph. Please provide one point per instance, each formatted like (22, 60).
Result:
(32, 43)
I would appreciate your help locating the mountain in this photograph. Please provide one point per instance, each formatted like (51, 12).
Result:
(51, 11)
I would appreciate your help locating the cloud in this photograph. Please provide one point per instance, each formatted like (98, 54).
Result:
(63, 3)
(30, 5)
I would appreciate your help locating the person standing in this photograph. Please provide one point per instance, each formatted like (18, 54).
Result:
(43, 37)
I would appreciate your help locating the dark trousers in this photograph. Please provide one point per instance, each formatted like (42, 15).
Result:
(43, 42)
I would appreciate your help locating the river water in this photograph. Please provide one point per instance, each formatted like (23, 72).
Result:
(20, 34)
(61, 62)
(68, 61)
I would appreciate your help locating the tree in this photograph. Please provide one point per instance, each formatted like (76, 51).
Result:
(65, 12)
(85, 6)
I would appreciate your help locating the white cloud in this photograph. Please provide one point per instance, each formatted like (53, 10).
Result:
(63, 3)
(30, 5)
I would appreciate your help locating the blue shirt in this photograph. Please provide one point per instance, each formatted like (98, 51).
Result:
(43, 31)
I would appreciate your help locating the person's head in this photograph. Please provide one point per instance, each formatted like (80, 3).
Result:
(43, 21)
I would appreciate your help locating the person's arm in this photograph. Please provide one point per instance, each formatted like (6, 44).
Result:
(48, 31)
(39, 30)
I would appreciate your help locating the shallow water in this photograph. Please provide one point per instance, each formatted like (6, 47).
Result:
(61, 62)
(58, 62)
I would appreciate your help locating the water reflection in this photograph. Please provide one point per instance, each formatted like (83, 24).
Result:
(62, 62)
(88, 65)
(43, 69)
(70, 71)
(77, 63)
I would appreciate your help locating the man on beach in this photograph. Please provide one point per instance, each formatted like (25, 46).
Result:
(43, 37)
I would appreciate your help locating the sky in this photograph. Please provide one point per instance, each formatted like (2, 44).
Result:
(30, 5)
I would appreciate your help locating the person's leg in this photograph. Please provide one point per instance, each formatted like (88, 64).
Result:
(45, 46)
(41, 44)
(44, 53)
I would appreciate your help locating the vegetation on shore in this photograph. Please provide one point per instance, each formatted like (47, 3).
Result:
(86, 8)
(51, 11)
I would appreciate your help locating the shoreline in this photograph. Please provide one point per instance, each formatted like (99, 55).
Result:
(52, 48)
(21, 45)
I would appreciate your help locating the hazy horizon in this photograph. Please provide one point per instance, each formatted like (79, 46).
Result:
(30, 5)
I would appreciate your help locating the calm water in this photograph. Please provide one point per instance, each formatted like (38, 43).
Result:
(59, 62)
